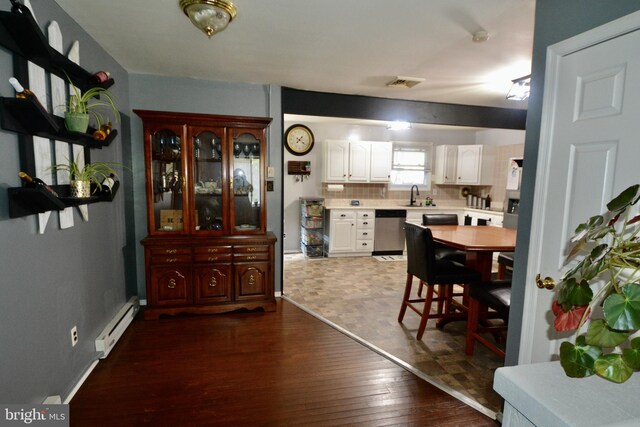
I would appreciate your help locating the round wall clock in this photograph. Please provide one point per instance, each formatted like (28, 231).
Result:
(298, 139)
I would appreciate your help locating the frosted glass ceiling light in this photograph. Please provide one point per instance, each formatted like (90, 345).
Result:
(399, 125)
(210, 16)
(520, 88)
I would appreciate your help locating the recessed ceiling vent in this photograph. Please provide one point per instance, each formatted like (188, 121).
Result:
(404, 82)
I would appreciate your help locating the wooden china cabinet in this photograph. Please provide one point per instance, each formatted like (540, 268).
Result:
(208, 250)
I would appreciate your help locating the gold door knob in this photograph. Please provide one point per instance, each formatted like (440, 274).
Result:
(546, 283)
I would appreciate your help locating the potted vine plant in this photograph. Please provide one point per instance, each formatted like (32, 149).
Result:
(602, 293)
(83, 176)
(84, 105)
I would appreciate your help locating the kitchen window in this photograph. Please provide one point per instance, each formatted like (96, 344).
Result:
(411, 165)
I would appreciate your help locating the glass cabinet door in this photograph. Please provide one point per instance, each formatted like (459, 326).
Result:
(167, 180)
(247, 184)
(208, 160)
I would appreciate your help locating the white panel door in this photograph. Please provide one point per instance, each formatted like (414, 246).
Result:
(381, 153)
(359, 161)
(469, 161)
(589, 152)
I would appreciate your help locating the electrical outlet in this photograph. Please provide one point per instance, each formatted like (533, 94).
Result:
(74, 336)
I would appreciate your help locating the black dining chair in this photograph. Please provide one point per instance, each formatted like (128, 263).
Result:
(444, 252)
(422, 263)
(505, 263)
(494, 295)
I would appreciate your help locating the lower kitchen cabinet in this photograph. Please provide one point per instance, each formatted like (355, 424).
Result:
(209, 274)
(350, 232)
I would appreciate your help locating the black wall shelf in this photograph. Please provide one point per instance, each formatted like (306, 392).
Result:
(20, 33)
(27, 116)
(24, 201)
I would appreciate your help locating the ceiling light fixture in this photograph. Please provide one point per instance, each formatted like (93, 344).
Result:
(399, 126)
(520, 88)
(210, 16)
(480, 36)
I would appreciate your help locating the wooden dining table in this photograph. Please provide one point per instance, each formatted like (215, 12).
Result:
(480, 242)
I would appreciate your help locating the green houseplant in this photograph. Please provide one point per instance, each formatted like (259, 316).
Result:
(604, 289)
(83, 106)
(83, 176)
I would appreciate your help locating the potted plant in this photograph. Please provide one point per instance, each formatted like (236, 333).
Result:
(82, 106)
(604, 289)
(83, 176)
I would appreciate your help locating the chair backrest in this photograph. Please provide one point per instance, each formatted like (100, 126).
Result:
(421, 258)
(482, 221)
(467, 220)
(439, 219)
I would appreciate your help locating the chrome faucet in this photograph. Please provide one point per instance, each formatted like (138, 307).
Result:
(413, 199)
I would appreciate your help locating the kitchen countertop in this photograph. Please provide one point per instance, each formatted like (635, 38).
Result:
(397, 204)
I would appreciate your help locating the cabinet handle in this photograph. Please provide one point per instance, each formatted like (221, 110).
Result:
(252, 257)
(365, 223)
(212, 282)
(252, 280)
(365, 234)
(252, 249)
(171, 284)
(364, 244)
(171, 260)
(212, 250)
(342, 215)
(170, 251)
(212, 258)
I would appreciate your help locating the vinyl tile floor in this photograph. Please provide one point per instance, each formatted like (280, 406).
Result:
(363, 296)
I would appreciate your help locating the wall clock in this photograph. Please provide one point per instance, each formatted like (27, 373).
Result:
(298, 139)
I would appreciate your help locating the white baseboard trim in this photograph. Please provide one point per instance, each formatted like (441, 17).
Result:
(81, 381)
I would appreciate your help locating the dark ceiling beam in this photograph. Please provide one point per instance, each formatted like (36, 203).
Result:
(295, 101)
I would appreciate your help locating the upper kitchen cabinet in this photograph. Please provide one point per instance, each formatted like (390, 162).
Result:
(206, 175)
(381, 158)
(356, 161)
(463, 164)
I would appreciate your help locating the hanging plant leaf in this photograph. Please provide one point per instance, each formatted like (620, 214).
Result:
(634, 220)
(601, 335)
(613, 368)
(578, 359)
(631, 355)
(574, 293)
(622, 311)
(567, 320)
(624, 199)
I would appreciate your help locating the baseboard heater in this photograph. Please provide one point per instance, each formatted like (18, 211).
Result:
(114, 330)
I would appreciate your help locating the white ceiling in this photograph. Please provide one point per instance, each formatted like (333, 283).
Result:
(351, 47)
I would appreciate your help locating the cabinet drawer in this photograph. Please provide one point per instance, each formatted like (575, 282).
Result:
(170, 250)
(367, 215)
(212, 253)
(364, 245)
(366, 224)
(364, 234)
(342, 214)
(258, 256)
(170, 259)
(250, 249)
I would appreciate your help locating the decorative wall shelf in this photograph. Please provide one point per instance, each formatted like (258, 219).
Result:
(27, 116)
(20, 33)
(24, 201)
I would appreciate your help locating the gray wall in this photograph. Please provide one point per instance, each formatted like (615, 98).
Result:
(62, 278)
(207, 97)
(555, 21)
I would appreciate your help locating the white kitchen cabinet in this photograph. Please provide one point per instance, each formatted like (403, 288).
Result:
(381, 157)
(445, 166)
(351, 232)
(357, 161)
(464, 164)
(336, 161)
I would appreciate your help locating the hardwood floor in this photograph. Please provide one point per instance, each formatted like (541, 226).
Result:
(270, 369)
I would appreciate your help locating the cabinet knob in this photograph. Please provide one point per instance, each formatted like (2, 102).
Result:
(171, 284)
(213, 282)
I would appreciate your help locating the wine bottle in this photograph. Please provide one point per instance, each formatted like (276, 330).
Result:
(35, 183)
(21, 92)
(100, 77)
(107, 183)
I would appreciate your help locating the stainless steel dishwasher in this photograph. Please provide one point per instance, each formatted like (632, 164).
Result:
(389, 232)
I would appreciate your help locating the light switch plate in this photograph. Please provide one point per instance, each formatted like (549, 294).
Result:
(271, 172)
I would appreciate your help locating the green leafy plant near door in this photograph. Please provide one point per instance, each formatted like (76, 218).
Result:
(607, 248)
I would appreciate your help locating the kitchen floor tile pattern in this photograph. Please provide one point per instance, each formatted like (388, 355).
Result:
(363, 295)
